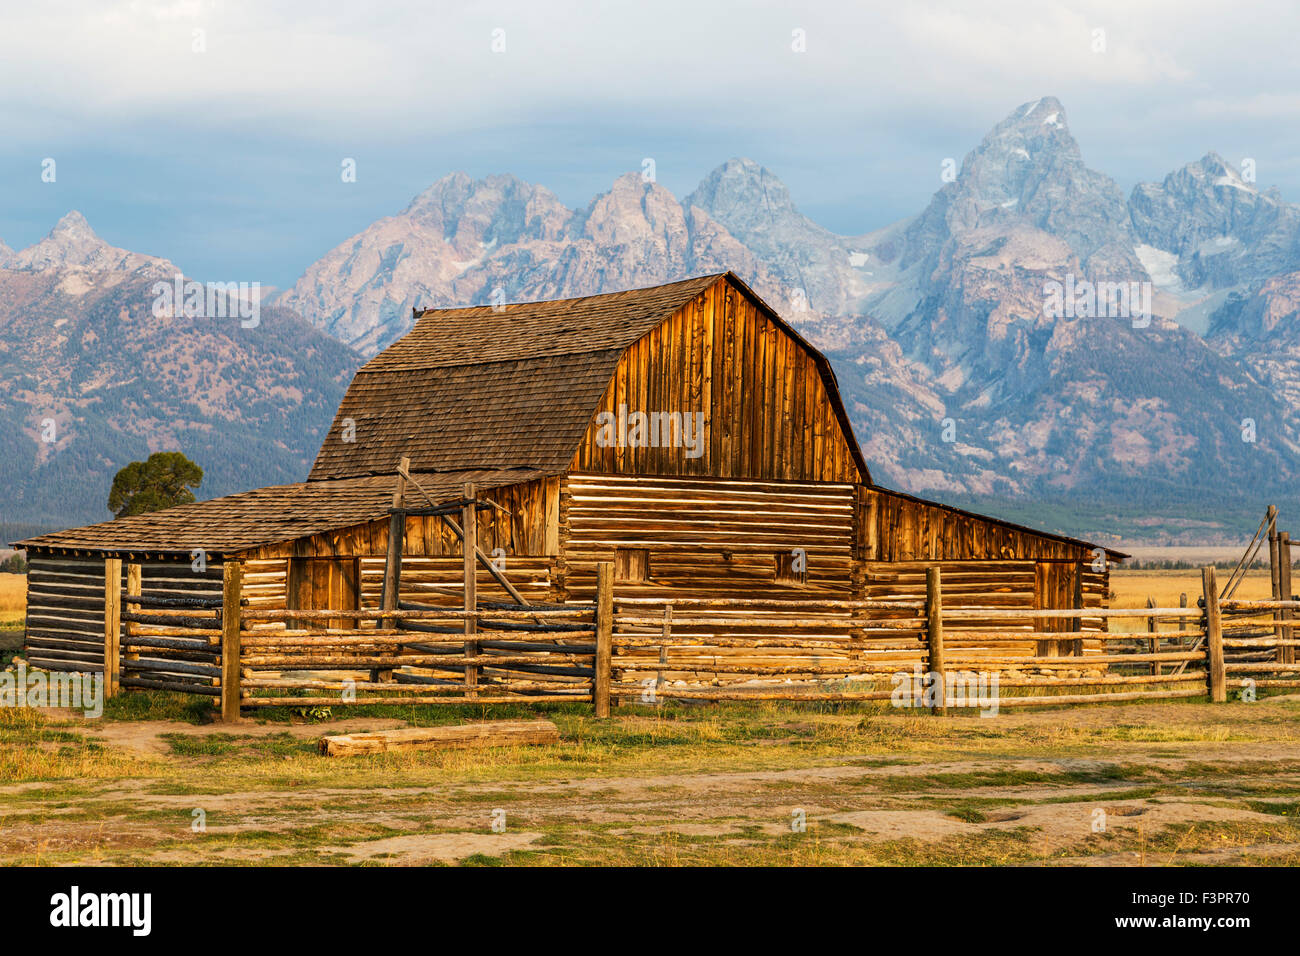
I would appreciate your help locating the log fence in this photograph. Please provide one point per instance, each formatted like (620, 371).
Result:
(642, 649)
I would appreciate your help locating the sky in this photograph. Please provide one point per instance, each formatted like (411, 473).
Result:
(214, 132)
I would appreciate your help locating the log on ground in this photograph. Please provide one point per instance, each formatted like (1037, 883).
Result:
(494, 733)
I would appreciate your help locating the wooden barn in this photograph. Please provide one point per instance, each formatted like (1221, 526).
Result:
(685, 433)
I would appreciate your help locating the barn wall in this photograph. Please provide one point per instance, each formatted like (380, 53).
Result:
(767, 412)
(706, 537)
(65, 604)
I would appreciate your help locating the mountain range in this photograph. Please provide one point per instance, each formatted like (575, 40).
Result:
(1032, 338)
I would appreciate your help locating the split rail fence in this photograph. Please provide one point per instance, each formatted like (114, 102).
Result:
(649, 650)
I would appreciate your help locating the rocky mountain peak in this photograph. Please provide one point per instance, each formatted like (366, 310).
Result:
(752, 203)
(636, 210)
(1029, 171)
(73, 244)
(1223, 230)
(495, 210)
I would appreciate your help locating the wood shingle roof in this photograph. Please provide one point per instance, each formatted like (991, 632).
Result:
(264, 516)
(510, 386)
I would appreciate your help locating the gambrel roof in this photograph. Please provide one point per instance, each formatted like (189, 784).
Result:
(514, 386)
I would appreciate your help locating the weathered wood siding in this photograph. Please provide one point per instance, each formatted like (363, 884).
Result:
(767, 411)
(895, 527)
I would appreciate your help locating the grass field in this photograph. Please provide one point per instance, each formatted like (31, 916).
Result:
(1132, 588)
(13, 599)
(155, 782)
(1108, 784)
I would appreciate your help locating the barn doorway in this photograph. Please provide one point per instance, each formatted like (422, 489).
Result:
(324, 584)
(1058, 585)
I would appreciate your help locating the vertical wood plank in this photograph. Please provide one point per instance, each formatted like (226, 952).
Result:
(1286, 654)
(112, 626)
(134, 583)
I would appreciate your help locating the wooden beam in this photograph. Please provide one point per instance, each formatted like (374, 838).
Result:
(1153, 644)
(232, 583)
(495, 733)
(134, 580)
(1215, 672)
(604, 637)
(396, 539)
(934, 636)
(112, 626)
(392, 587)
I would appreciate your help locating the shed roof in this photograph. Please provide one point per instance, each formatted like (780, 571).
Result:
(264, 516)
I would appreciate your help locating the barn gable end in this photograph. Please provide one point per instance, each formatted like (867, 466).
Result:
(752, 399)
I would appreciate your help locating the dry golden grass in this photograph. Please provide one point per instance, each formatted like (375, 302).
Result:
(1132, 588)
(13, 598)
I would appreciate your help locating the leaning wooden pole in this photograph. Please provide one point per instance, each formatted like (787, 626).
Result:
(1216, 674)
(601, 680)
(232, 586)
(934, 638)
(112, 626)
(469, 532)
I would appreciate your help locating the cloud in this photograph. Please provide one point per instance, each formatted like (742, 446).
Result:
(858, 124)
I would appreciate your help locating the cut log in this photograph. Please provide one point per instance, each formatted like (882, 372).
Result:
(496, 733)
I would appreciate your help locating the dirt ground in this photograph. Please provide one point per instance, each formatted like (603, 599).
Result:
(1140, 784)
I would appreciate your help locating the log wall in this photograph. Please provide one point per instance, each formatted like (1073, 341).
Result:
(706, 537)
(65, 604)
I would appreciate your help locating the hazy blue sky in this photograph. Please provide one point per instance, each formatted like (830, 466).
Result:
(227, 161)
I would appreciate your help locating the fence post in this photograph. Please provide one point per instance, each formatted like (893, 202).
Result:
(934, 636)
(1274, 566)
(1285, 654)
(232, 586)
(1153, 642)
(112, 626)
(1214, 669)
(469, 543)
(390, 593)
(600, 684)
